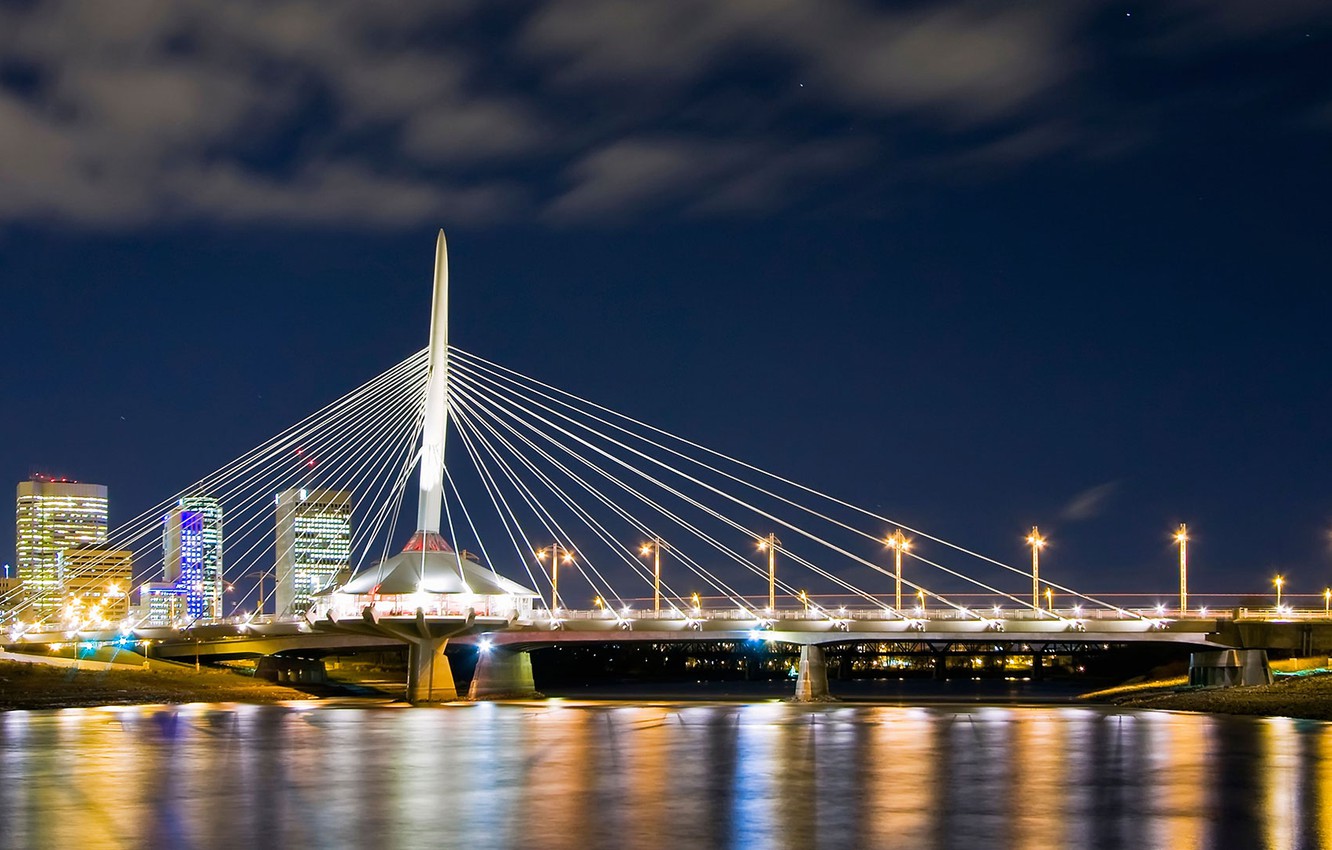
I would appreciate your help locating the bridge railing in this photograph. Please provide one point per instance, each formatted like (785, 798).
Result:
(939, 614)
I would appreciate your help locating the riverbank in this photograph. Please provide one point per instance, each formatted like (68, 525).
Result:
(29, 686)
(1308, 697)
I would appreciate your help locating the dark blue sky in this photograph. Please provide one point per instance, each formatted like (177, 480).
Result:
(975, 265)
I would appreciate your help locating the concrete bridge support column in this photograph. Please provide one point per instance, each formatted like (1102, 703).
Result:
(940, 666)
(503, 674)
(812, 682)
(429, 677)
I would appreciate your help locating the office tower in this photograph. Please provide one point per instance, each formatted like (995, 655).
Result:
(53, 515)
(97, 584)
(313, 544)
(161, 603)
(192, 554)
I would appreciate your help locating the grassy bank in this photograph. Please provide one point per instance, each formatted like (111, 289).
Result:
(1290, 696)
(25, 685)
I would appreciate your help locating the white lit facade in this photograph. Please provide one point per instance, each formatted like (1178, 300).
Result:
(313, 544)
(160, 603)
(53, 515)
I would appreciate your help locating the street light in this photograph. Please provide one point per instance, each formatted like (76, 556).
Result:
(898, 542)
(1279, 582)
(769, 544)
(259, 588)
(698, 603)
(653, 548)
(804, 600)
(557, 554)
(920, 600)
(1327, 604)
(1037, 543)
(1182, 538)
(1049, 599)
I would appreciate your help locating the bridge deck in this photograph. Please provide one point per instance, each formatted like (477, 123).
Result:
(249, 639)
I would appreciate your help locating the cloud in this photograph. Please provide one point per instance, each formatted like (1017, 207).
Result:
(143, 112)
(1090, 503)
(967, 61)
(708, 177)
(1191, 25)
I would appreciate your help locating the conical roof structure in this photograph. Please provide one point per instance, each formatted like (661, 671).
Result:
(429, 565)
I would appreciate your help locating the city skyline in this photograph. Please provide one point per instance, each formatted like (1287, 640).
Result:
(1068, 275)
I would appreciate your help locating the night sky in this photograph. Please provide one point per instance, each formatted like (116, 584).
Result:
(975, 265)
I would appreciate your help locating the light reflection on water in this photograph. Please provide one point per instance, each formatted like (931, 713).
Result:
(671, 775)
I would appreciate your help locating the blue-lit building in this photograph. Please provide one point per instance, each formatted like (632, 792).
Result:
(192, 549)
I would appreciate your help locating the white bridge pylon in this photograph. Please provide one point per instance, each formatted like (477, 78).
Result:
(435, 424)
(575, 511)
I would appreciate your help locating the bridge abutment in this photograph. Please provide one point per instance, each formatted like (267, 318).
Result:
(812, 680)
(503, 674)
(1229, 667)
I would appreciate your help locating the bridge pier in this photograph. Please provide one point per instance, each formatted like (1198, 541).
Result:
(812, 681)
(287, 670)
(429, 676)
(503, 674)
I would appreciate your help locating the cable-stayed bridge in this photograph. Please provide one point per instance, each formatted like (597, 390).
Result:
(555, 519)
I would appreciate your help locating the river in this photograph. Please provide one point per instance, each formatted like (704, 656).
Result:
(673, 775)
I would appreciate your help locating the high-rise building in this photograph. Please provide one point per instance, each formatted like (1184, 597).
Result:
(313, 544)
(53, 515)
(97, 584)
(192, 554)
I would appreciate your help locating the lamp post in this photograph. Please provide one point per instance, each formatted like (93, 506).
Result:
(920, 600)
(259, 588)
(1327, 603)
(898, 542)
(698, 603)
(1182, 538)
(769, 544)
(1279, 582)
(653, 548)
(557, 554)
(1037, 543)
(1049, 599)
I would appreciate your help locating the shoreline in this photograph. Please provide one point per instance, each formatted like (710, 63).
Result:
(28, 686)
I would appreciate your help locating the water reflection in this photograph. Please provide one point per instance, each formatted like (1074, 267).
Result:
(585, 775)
